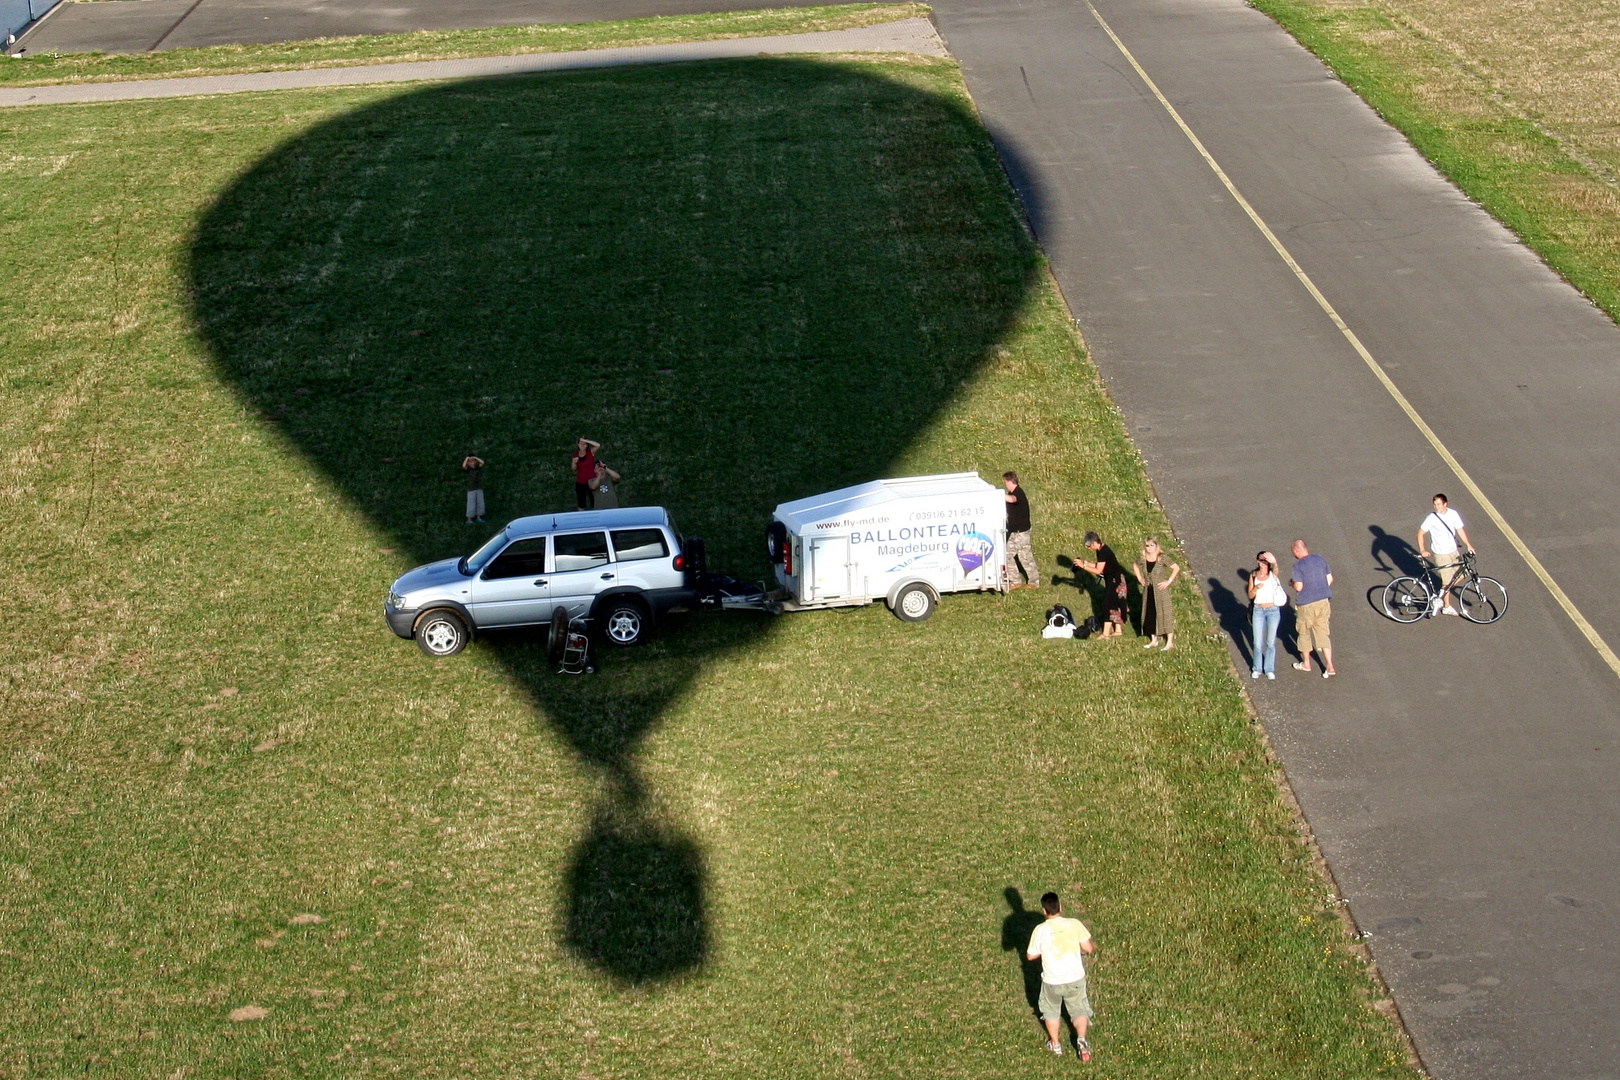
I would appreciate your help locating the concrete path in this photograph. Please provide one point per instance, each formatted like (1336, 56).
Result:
(909, 35)
(124, 26)
(1462, 779)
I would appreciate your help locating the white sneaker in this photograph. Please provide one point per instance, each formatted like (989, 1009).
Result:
(1449, 611)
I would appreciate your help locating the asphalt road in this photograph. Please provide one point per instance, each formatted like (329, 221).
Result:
(905, 35)
(1460, 779)
(143, 25)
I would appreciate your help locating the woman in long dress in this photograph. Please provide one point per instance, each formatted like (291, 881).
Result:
(1155, 573)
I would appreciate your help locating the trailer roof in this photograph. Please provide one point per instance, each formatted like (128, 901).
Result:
(875, 493)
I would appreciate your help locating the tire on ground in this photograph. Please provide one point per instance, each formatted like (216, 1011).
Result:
(557, 638)
(440, 632)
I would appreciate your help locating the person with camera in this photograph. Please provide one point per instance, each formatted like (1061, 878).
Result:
(473, 466)
(584, 466)
(1116, 591)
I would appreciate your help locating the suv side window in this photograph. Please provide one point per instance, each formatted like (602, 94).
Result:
(522, 558)
(581, 551)
(632, 544)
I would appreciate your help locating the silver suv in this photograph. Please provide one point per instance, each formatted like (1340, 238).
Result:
(619, 568)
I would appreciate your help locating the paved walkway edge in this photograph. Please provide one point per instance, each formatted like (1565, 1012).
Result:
(908, 36)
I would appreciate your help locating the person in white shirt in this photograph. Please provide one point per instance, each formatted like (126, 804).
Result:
(1441, 534)
(1057, 943)
(1268, 597)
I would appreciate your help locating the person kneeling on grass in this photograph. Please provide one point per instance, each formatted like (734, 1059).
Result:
(1057, 943)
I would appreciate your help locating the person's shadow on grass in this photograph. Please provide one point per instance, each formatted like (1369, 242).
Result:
(708, 267)
(1016, 929)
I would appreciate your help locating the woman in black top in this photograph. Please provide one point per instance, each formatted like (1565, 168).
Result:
(1115, 589)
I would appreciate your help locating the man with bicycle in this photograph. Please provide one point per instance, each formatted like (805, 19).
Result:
(1442, 533)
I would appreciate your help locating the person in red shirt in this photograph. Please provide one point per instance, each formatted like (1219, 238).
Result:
(584, 467)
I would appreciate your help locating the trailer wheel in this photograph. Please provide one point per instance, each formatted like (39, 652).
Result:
(914, 603)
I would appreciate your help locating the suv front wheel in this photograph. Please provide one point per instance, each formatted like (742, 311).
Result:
(441, 633)
(624, 620)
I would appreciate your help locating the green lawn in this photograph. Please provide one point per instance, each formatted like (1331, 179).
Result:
(35, 69)
(1507, 101)
(249, 339)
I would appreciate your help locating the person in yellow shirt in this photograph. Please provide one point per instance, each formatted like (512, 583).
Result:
(1058, 944)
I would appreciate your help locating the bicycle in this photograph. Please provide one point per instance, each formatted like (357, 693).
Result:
(1481, 600)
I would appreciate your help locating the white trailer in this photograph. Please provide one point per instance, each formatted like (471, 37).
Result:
(905, 541)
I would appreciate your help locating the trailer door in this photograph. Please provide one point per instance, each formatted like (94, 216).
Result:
(828, 571)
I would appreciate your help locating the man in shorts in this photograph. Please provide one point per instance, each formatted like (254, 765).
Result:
(1057, 943)
(1313, 606)
(1443, 532)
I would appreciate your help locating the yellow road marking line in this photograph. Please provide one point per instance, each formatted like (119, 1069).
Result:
(1508, 531)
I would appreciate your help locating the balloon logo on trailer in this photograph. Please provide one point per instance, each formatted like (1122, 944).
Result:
(972, 551)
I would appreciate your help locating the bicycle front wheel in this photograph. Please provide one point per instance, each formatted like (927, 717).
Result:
(1483, 600)
(1406, 599)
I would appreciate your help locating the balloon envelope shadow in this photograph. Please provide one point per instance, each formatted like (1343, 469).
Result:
(751, 280)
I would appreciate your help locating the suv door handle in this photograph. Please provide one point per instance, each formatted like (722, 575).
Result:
(540, 581)
(607, 577)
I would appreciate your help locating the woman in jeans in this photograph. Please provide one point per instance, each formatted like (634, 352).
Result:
(1268, 595)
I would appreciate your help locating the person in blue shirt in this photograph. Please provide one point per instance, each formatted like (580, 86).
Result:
(1313, 606)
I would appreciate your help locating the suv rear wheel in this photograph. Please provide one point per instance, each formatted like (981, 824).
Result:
(624, 620)
(441, 633)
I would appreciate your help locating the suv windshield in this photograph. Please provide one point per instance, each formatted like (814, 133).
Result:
(475, 562)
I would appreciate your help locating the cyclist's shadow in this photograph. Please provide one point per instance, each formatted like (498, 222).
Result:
(1394, 556)
(704, 266)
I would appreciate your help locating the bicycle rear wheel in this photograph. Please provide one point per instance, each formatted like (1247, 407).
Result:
(1483, 600)
(1406, 599)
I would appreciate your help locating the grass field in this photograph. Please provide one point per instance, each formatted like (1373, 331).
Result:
(250, 338)
(1515, 103)
(32, 69)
